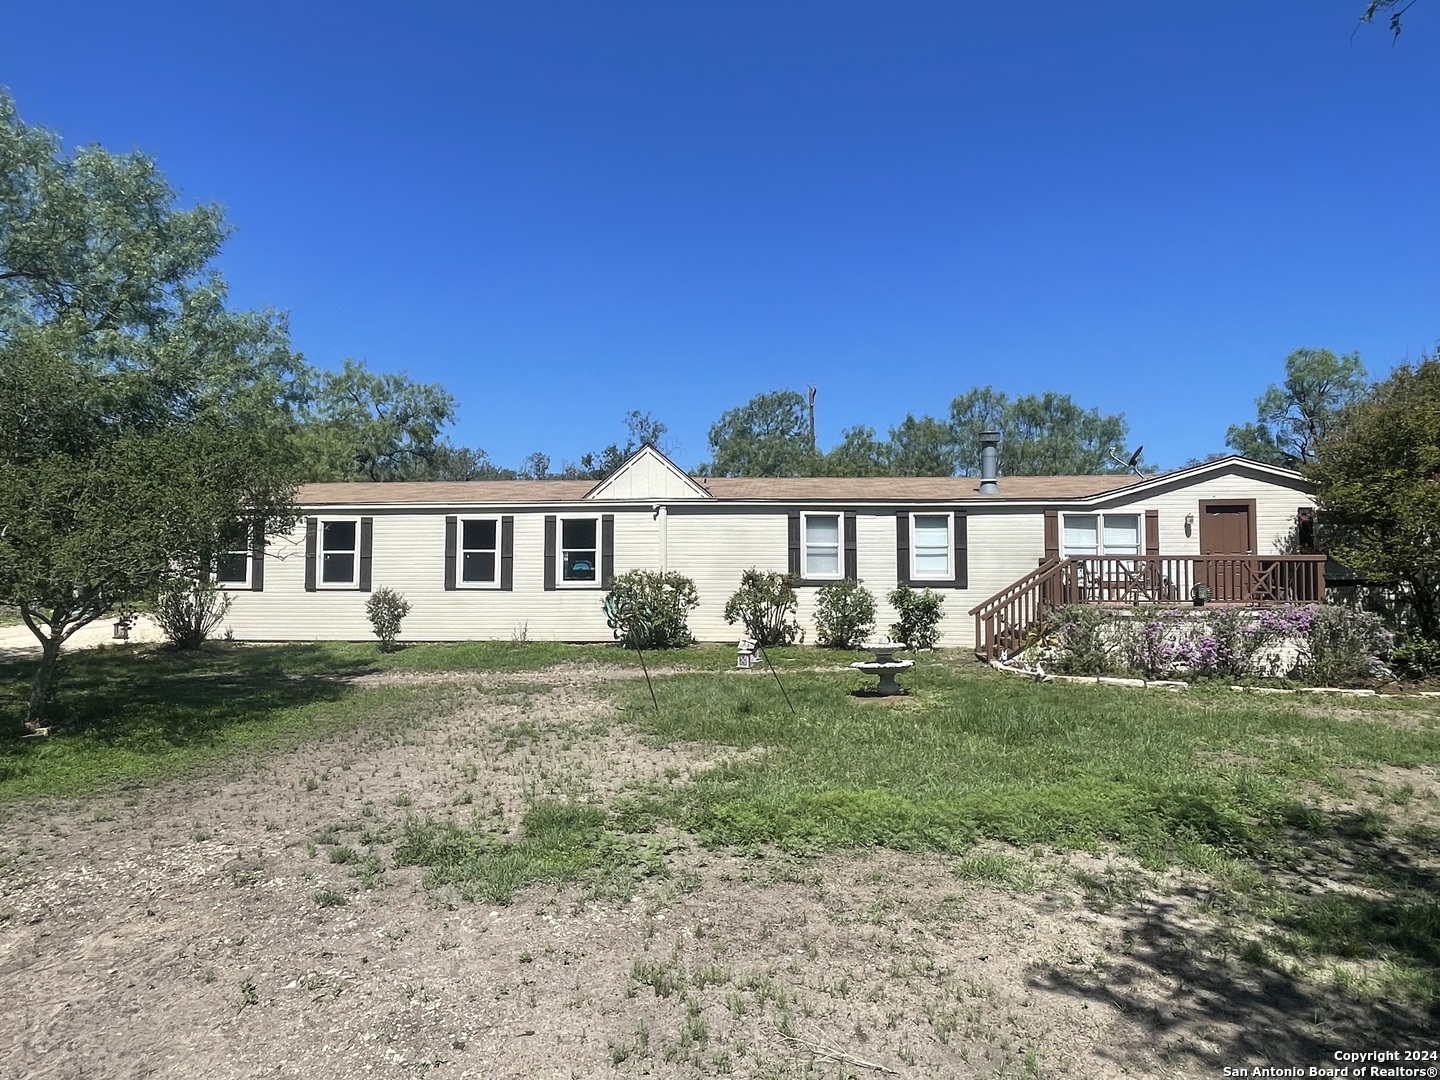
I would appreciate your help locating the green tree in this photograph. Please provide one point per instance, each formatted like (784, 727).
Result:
(642, 430)
(858, 453)
(104, 504)
(366, 425)
(1294, 418)
(1040, 435)
(536, 467)
(922, 447)
(767, 436)
(1377, 476)
(140, 418)
(449, 462)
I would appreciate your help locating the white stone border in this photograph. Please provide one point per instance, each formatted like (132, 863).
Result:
(1175, 686)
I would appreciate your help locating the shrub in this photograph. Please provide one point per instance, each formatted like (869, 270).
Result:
(1344, 645)
(386, 609)
(844, 614)
(919, 625)
(1321, 644)
(1418, 658)
(188, 612)
(648, 609)
(1148, 644)
(1086, 640)
(765, 605)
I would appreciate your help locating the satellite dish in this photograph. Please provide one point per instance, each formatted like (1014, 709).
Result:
(1135, 457)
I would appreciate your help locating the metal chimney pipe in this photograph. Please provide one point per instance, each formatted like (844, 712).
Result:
(989, 462)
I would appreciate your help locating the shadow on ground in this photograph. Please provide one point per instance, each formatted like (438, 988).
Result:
(148, 697)
(1214, 993)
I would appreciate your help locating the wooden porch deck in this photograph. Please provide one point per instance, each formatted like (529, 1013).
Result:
(1003, 622)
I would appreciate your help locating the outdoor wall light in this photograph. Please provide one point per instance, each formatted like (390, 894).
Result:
(1189, 523)
(1200, 593)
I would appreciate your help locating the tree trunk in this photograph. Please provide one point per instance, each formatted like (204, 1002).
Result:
(1425, 602)
(44, 683)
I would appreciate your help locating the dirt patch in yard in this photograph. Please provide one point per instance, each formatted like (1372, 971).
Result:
(200, 927)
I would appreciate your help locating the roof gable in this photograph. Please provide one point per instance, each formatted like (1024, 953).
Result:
(1232, 464)
(645, 476)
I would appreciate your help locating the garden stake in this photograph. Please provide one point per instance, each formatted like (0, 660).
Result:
(778, 683)
(641, 653)
(636, 628)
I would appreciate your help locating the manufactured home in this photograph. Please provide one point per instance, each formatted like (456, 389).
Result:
(532, 558)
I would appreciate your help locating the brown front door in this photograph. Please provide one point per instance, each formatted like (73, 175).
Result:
(1227, 538)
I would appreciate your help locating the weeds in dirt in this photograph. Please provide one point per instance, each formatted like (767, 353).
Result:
(636, 1047)
(249, 994)
(559, 843)
(1007, 871)
(665, 979)
(329, 896)
(1115, 886)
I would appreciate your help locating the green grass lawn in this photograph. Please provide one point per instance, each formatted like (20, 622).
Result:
(436, 656)
(138, 713)
(1164, 777)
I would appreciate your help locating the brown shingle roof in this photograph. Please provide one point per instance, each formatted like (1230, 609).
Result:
(459, 492)
(724, 488)
(907, 488)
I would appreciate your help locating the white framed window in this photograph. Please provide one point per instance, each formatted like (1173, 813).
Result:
(232, 566)
(338, 553)
(579, 551)
(1121, 534)
(820, 546)
(1096, 534)
(930, 548)
(479, 553)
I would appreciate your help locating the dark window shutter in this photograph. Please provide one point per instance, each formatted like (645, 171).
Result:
(507, 553)
(257, 557)
(1152, 532)
(607, 550)
(961, 542)
(452, 526)
(902, 547)
(1052, 534)
(367, 544)
(312, 526)
(549, 551)
(852, 559)
(795, 544)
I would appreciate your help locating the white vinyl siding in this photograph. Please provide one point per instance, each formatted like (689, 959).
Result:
(338, 553)
(930, 547)
(821, 546)
(479, 554)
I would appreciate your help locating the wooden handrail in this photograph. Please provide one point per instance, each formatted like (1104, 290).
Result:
(1015, 608)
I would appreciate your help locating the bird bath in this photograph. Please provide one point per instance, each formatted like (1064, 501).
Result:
(884, 665)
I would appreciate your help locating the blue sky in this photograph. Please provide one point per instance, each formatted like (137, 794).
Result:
(563, 211)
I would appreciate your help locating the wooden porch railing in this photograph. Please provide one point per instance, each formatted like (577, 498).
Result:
(1004, 620)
